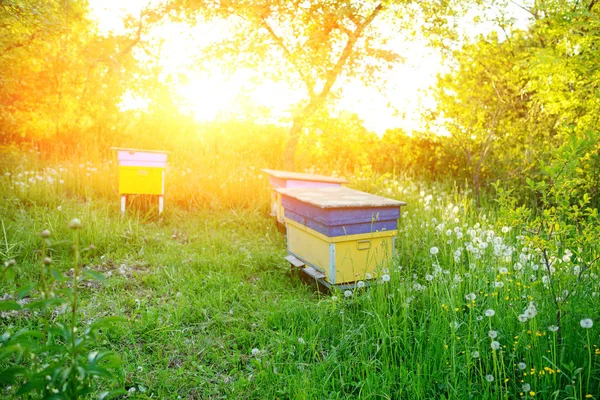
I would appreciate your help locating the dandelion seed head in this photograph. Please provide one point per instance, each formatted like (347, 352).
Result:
(489, 312)
(495, 345)
(586, 323)
(348, 293)
(522, 318)
(385, 278)
(493, 334)
(522, 366)
(75, 223)
(489, 378)
(475, 354)
(553, 328)
(434, 250)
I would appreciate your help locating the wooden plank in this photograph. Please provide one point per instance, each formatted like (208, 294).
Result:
(310, 271)
(294, 261)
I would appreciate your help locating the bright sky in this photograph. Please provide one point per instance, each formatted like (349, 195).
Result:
(209, 95)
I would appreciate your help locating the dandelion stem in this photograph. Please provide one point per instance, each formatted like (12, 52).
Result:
(44, 289)
(589, 375)
(74, 311)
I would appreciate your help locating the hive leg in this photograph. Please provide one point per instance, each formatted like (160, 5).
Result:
(161, 204)
(123, 201)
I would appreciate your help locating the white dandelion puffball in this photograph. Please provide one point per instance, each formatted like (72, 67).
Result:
(489, 378)
(429, 277)
(553, 328)
(255, 351)
(493, 334)
(490, 313)
(470, 297)
(522, 318)
(360, 284)
(526, 387)
(434, 250)
(475, 354)
(586, 323)
(495, 345)
(348, 293)
(522, 365)
(385, 278)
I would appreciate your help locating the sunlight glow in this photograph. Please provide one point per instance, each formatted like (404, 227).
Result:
(209, 93)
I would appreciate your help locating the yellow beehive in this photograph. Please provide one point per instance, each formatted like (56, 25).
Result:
(141, 172)
(342, 259)
(345, 234)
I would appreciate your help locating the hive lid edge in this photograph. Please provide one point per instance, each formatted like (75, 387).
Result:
(300, 176)
(139, 150)
(311, 196)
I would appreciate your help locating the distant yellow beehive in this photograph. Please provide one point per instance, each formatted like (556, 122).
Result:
(141, 172)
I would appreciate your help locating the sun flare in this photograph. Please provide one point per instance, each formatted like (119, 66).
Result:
(214, 94)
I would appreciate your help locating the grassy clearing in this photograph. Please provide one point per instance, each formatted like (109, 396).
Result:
(212, 311)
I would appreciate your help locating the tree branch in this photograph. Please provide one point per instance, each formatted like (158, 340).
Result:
(289, 56)
(335, 72)
(30, 39)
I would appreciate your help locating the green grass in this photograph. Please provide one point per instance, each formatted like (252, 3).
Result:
(205, 284)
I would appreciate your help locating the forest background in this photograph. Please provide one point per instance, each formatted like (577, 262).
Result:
(504, 101)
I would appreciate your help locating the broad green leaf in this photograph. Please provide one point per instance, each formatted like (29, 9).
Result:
(25, 291)
(7, 305)
(10, 375)
(94, 275)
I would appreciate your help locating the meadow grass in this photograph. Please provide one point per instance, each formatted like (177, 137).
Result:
(211, 309)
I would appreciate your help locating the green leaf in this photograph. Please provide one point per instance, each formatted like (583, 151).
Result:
(58, 276)
(570, 390)
(105, 322)
(10, 350)
(45, 303)
(30, 386)
(11, 374)
(94, 275)
(6, 305)
(96, 370)
(10, 274)
(25, 291)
